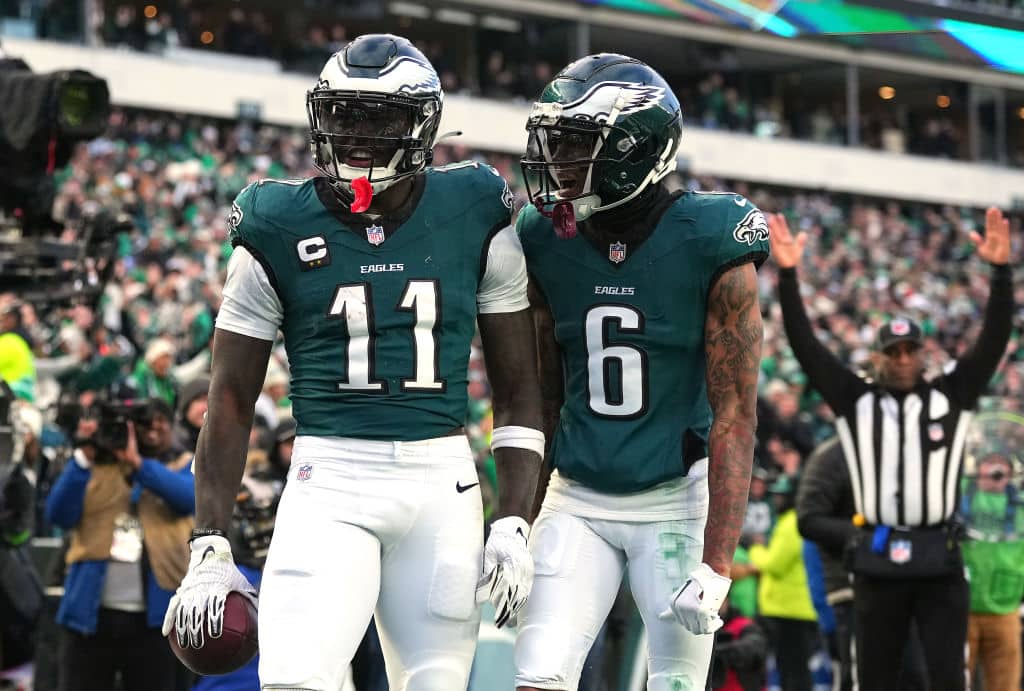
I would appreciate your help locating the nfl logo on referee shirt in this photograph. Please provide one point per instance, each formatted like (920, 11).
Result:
(375, 234)
(304, 473)
(900, 551)
(617, 252)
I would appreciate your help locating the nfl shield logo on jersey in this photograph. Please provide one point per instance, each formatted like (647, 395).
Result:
(617, 252)
(375, 234)
(900, 551)
(304, 473)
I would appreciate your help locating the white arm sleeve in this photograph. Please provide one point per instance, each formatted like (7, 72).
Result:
(503, 287)
(250, 306)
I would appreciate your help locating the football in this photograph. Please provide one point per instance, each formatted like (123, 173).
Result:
(232, 650)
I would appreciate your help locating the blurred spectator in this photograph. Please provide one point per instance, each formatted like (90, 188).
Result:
(21, 594)
(760, 513)
(784, 601)
(273, 400)
(743, 592)
(152, 377)
(281, 452)
(738, 661)
(824, 506)
(17, 363)
(788, 423)
(191, 413)
(129, 511)
(497, 80)
(994, 557)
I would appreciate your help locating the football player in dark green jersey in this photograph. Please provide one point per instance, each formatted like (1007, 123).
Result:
(377, 272)
(649, 329)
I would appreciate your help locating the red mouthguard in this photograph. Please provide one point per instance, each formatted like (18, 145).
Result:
(363, 195)
(563, 216)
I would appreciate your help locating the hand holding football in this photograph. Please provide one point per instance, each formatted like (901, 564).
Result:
(232, 649)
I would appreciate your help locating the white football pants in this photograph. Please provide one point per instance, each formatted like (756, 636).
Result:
(380, 528)
(579, 565)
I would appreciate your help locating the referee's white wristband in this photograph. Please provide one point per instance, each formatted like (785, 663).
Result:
(518, 437)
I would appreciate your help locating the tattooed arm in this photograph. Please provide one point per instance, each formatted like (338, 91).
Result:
(552, 385)
(732, 336)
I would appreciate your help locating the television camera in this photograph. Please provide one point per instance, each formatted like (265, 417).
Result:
(42, 117)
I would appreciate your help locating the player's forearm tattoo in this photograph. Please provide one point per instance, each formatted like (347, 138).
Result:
(733, 335)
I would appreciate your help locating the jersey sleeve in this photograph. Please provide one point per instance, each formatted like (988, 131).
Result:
(250, 306)
(527, 228)
(495, 199)
(744, 233)
(242, 217)
(503, 285)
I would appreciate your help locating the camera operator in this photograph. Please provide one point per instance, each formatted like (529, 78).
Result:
(128, 499)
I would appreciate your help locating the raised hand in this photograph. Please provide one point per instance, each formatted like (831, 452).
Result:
(786, 249)
(994, 247)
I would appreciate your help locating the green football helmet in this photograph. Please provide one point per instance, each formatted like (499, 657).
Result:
(604, 130)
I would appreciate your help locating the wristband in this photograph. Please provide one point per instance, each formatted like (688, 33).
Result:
(213, 532)
(519, 438)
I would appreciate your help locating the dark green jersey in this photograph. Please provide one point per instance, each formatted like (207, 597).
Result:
(378, 319)
(630, 324)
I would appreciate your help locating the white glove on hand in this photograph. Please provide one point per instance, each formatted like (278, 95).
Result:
(197, 608)
(696, 603)
(507, 576)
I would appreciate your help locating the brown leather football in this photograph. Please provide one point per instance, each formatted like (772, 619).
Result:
(232, 650)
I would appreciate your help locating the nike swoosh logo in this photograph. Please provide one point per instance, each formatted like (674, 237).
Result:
(739, 202)
(460, 488)
(206, 552)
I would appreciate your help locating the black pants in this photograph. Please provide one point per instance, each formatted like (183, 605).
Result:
(122, 643)
(794, 643)
(883, 612)
(844, 640)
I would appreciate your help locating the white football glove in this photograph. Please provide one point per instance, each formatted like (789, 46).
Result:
(696, 603)
(507, 576)
(197, 608)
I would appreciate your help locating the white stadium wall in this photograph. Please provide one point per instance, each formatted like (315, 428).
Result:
(202, 83)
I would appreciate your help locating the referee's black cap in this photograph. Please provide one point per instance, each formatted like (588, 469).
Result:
(898, 330)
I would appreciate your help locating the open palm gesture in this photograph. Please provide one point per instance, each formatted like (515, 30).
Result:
(994, 247)
(786, 249)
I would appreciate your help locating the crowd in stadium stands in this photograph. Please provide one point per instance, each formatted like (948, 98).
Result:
(715, 102)
(151, 332)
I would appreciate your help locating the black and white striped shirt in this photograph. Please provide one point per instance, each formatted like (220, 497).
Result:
(903, 454)
(903, 450)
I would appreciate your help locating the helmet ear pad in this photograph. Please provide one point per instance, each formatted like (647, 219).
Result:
(628, 162)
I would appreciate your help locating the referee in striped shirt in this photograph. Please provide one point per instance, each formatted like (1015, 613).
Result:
(903, 438)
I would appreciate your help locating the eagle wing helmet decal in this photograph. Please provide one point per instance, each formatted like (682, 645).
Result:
(598, 103)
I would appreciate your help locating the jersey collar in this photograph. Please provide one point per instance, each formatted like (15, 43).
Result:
(357, 223)
(630, 227)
